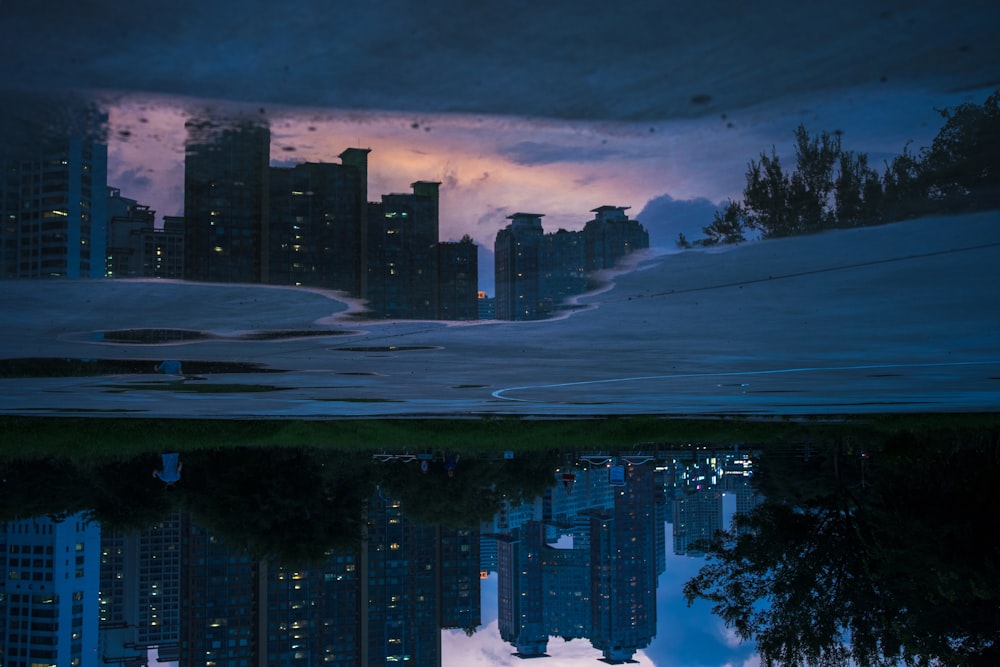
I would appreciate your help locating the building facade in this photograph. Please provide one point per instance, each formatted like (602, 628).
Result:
(53, 207)
(610, 236)
(226, 202)
(49, 594)
(517, 256)
(317, 223)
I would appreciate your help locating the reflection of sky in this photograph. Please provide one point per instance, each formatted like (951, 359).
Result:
(692, 637)
(671, 173)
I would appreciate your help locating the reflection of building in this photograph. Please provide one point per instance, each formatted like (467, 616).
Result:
(457, 280)
(311, 225)
(536, 272)
(402, 255)
(52, 202)
(623, 566)
(516, 267)
(140, 590)
(589, 571)
(49, 594)
(316, 223)
(226, 212)
(136, 247)
(611, 236)
(382, 602)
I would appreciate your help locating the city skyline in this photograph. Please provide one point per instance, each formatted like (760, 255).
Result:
(673, 174)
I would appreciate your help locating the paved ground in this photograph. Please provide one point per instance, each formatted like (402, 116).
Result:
(901, 318)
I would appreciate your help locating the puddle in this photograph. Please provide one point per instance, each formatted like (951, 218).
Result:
(151, 336)
(386, 348)
(40, 367)
(175, 336)
(288, 335)
(194, 388)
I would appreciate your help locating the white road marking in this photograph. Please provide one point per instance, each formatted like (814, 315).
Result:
(499, 393)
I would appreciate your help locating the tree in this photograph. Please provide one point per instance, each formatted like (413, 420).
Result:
(857, 192)
(727, 225)
(963, 163)
(766, 198)
(780, 204)
(812, 181)
(866, 556)
(905, 188)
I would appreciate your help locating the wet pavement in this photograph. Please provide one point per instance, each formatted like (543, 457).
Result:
(900, 318)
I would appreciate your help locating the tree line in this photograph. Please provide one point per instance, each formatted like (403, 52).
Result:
(865, 553)
(834, 188)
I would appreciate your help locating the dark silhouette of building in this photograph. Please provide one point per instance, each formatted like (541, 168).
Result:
(226, 207)
(624, 569)
(49, 592)
(317, 214)
(403, 254)
(137, 248)
(562, 268)
(52, 203)
(140, 602)
(311, 225)
(602, 585)
(536, 272)
(611, 236)
(384, 601)
(457, 280)
(517, 257)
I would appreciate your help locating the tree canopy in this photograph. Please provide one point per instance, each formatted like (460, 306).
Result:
(872, 556)
(830, 187)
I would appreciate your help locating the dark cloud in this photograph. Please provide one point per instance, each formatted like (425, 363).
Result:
(446, 56)
(665, 218)
(535, 153)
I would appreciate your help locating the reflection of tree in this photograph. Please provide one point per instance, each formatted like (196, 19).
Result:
(293, 503)
(876, 557)
(473, 494)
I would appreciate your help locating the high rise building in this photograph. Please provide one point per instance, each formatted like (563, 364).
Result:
(402, 254)
(535, 272)
(140, 590)
(226, 208)
(517, 266)
(594, 576)
(623, 569)
(52, 204)
(49, 594)
(611, 236)
(457, 280)
(137, 248)
(317, 223)
(561, 265)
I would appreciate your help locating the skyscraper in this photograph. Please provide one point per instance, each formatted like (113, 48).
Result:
(402, 254)
(517, 257)
(49, 594)
(226, 208)
(457, 280)
(611, 236)
(52, 203)
(317, 223)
